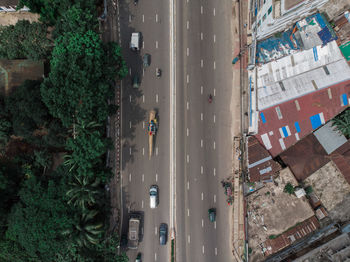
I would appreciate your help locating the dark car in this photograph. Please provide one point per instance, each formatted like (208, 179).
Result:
(212, 214)
(138, 258)
(136, 82)
(146, 60)
(163, 234)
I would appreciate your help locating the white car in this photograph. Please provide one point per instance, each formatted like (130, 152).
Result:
(153, 196)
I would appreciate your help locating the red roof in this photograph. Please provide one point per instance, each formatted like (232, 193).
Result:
(341, 157)
(301, 116)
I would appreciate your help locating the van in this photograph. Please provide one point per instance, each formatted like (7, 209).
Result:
(153, 196)
(135, 41)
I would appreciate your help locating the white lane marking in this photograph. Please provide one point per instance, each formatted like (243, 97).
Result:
(214, 92)
(188, 212)
(130, 151)
(143, 72)
(156, 18)
(188, 51)
(214, 11)
(188, 79)
(214, 171)
(214, 118)
(188, 158)
(202, 222)
(216, 251)
(201, 142)
(155, 256)
(188, 25)
(187, 1)
(188, 185)
(142, 204)
(201, 9)
(143, 44)
(129, 70)
(143, 177)
(143, 18)
(214, 198)
(155, 230)
(143, 151)
(130, 98)
(157, 98)
(203, 249)
(130, 124)
(215, 224)
(201, 169)
(188, 105)
(214, 65)
(201, 36)
(214, 38)
(201, 116)
(143, 125)
(156, 151)
(156, 44)
(130, 177)
(188, 132)
(202, 196)
(202, 63)
(201, 90)
(214, 145)
(188, 239)
(129, 18)
(156, 177)
(143, 98)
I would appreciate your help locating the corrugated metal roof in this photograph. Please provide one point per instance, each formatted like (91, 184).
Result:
(329, 137)
(282, 126)
(300, 74)
(305, 157)
(261, 166)
(341, 157)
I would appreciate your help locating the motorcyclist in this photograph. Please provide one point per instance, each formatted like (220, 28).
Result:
(210, 98)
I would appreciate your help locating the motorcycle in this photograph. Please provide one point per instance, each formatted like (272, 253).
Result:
(135, 2)
(210, 98)
(159, 73)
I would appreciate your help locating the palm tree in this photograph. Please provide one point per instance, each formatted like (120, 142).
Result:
(342, 122)
(84, 193)
(87, 230)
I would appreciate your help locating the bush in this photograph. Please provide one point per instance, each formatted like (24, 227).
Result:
(308, 190)
(289, 188)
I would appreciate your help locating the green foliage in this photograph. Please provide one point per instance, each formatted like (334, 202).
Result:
(42, 159)
(27, 110)
(272, 236)
(24, 40)
(84, 193)
(289, 188)
(342, 123)
(35, 222)
(75, 88)
(250, 250)
(308, 190)
(115, 65)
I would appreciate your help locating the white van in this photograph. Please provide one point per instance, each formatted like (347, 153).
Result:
(135, 41)
(153, 196)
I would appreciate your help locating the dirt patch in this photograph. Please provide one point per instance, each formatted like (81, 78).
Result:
(272, 211)
(332, 190)
(11, 18)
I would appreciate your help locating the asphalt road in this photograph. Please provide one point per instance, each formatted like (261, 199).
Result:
(203, 130)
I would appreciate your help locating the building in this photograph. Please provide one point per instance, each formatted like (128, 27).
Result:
(10, 6)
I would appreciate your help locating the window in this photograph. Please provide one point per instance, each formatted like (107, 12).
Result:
(264, 17)
(270, 10)
(326, 70)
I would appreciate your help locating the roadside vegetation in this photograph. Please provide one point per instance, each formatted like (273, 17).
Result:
(54, 206)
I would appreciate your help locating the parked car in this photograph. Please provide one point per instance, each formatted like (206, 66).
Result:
(138, 258)
(146, 60)
(212, 214)
(153, 196)
(136, 82)
(163, 234)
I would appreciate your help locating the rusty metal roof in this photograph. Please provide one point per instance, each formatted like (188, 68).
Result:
(261, 166)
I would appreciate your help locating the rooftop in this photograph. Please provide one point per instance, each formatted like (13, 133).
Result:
(329, 137)
(261, 166)
(281, 126)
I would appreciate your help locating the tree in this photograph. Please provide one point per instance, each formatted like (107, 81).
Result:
(24, 40)
(84, 193)
(289, 188)
(26, 108)
(308, 190)
(87, 231)
(36, 221)
(342, 123)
